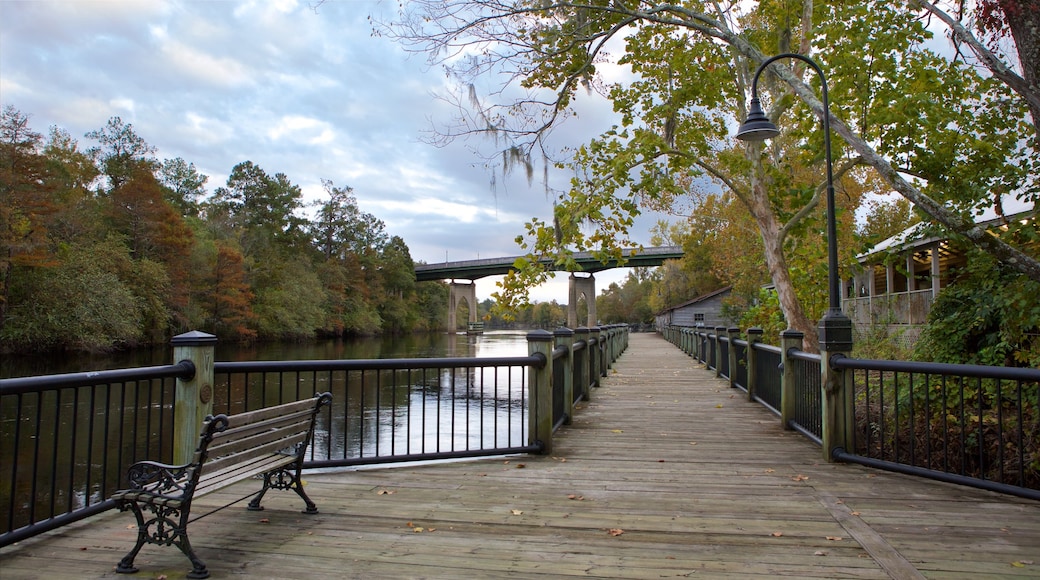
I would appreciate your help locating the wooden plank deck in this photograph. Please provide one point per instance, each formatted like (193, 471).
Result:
(665, 473)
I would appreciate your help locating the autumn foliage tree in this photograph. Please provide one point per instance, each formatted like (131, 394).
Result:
(108, 247)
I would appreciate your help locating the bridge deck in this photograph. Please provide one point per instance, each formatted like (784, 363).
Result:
(665, 473)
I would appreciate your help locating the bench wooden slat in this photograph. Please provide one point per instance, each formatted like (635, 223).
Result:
(214, 480)
(240, 419)
(291, 435)
(246, 429)
(267, 448)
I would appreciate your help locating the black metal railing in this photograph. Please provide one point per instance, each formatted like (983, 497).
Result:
(66, 441)
(767, 376)
(807, 418)
(972, 425)
(739, 374)
(392, 410)
(722, 353)
(964, 423)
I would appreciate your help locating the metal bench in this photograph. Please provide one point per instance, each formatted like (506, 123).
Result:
(269, 443)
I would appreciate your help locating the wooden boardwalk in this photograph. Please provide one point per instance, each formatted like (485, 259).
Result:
(666, 473)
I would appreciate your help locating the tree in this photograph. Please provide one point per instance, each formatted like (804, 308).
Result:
(232, 299)
(261, 211)
(120, 152)
(26, 201)
(692, 65)
(185, 186)
(154, 232)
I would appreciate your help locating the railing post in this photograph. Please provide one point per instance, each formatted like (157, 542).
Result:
(565, 337)
(582, 362)
(754, 336)
(789, 340)
(540, 419)
(697, 354)
(733, 334)
(838, 400)
(595, 365)
(194, 397)
(719, 330)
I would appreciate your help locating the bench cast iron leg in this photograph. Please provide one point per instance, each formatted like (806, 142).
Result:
(283, 479)
(126, 565)
(161, 530)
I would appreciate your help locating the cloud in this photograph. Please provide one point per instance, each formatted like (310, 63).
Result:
(297, 90)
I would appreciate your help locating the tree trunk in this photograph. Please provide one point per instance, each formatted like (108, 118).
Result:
(769, 229)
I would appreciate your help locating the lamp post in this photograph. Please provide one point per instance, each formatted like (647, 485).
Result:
(835, 329)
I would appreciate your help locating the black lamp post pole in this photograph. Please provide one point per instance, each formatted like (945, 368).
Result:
(835, 328)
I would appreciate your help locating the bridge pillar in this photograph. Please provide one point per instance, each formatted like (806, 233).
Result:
(458, 291)
(576, 287)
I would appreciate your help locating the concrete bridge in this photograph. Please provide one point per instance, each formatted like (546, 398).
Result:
(470, 270)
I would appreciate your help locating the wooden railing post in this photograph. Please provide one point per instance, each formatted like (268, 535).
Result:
(697, 354)
(595, 364)
(754, 336)
(838, 399)
(789, 340)
(719, 331)
(540, 419)
(565, 337)
(581, 334)
(194, 397)
(733, 333)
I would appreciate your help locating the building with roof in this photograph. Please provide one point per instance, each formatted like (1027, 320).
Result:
(897, 281)
(703, 310)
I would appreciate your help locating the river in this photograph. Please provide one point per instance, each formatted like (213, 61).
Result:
(493, 343)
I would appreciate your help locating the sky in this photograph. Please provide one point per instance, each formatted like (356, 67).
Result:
(296, 89)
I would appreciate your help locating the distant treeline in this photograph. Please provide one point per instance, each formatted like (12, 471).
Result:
(108, 246)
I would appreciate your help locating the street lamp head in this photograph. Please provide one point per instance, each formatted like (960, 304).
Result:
(757, 127)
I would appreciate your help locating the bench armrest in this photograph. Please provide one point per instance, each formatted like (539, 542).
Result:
(159, 478)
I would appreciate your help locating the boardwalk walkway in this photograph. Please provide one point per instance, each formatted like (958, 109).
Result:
(666, 473)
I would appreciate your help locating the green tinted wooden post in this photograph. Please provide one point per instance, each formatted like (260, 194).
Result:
(789, 339)
(565, 337)
(540, 419)
(582, 361)
(754, 336)
(194, 397)
(596, 366)
(733, 333)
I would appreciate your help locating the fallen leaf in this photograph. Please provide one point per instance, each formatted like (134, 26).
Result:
(161, 577)
(417, 529)
(1018, 564)
(776, 534)
(770, 471)
(615, 531)
(517, 512)
(385, 492)
(131, 526)
(800, 477)
(616, 431)
(819, 553)
(835, 538)
(719, 406)
(693, 442)
(576, 497)
(855, 513)
(265, 521)
(521, 465)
